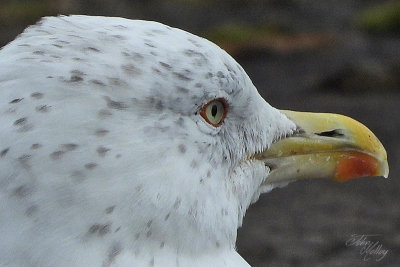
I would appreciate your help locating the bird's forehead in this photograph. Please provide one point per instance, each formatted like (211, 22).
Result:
(180, 62)
(134, 60)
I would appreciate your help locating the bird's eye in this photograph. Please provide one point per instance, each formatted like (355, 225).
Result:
(214, 112)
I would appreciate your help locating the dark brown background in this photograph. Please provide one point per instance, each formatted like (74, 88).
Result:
(338, 56)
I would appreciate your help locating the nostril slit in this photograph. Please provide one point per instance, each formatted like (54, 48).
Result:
(270, 166)
(333, 133)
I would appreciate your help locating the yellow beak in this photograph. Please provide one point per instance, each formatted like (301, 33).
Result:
(326, 146)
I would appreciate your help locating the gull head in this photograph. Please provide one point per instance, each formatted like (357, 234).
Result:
(124, 137)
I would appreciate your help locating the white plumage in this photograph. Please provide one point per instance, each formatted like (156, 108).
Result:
(104, 157)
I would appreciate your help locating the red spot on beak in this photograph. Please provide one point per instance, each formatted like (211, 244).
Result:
(355, 165)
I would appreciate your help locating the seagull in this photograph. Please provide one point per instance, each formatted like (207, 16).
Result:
(132, 143)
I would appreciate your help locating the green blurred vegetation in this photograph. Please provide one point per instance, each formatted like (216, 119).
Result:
(239, 33)
(17, 11)
(236, 38)
(384, 17)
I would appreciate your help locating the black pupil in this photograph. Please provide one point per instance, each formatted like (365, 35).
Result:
(214, 110)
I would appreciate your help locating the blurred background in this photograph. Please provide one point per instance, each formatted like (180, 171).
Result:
(340, 56)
